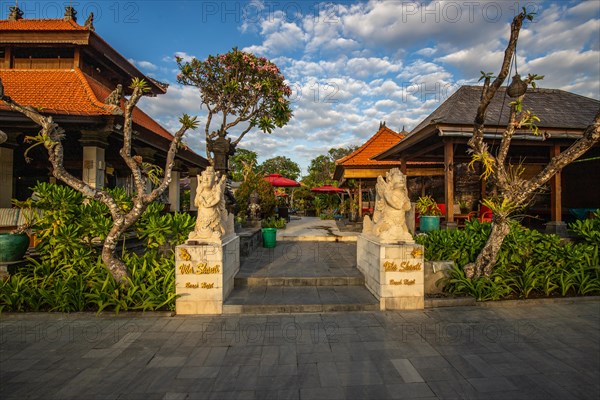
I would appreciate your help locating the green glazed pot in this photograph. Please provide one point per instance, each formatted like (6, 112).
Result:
(429, 223)
(13, 246)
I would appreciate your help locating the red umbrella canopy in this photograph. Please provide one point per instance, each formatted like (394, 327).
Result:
(327, 189)
(280, 181)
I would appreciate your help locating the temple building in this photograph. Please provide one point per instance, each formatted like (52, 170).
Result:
(442, 137)
(66, 70)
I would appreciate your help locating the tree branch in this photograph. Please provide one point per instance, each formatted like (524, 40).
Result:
(591, 136)
(490, 90)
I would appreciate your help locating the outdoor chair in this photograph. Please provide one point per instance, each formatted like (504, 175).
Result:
(483, 215)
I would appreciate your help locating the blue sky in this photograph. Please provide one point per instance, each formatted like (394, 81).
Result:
(351, 64)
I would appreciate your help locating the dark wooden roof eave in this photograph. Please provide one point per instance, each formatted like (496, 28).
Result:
(102, 47)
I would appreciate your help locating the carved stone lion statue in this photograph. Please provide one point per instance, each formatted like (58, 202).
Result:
(391, 205)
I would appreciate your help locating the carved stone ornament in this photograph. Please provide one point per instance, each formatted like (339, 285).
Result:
(391, 205)
(214, 222)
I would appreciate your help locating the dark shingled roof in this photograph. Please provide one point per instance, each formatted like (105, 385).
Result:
(555, 108)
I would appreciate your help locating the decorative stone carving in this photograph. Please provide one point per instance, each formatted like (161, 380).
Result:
(254, 207)
(213, 222)
(391, 205)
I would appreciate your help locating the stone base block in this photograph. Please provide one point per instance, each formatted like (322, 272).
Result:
(394, 273)
(434, 271)
(204, 275)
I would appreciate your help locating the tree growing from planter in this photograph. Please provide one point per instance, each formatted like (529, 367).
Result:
(50, 137)
(514, 191)
(236, 88)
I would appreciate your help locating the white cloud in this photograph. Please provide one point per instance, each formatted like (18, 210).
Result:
(354, 64)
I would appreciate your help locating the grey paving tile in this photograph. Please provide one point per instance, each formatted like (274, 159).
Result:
(409, 391)
(407, 371)
(328, 374)
(318, 393)
(493, 384)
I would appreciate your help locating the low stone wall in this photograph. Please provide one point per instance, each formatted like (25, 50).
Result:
(394, 273)
(204, 275)
(434, 271)
(250, 240)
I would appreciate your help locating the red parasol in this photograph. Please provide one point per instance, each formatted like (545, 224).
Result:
(280, 181)
(327, 189)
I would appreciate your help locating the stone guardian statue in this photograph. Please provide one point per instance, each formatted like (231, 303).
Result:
(213, 222)
(391, 205)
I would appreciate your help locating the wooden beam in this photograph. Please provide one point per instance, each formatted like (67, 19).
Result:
(556, 189)
(403, 166)
(371, 173)
(425, 171)
(449, 180)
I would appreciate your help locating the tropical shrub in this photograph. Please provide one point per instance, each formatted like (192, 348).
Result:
(68, 274)
(529, 264)
(266, 194)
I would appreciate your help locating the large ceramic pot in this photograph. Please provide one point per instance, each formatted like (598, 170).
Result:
(429, 223)
(13, 246)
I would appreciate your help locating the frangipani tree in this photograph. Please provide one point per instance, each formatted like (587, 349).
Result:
(50, 137)
(237, 88)
(514, 191)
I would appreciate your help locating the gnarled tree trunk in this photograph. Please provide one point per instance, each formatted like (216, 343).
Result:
(514, 191)
(50, 137)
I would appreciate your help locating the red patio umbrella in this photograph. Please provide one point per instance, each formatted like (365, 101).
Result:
(280, 181)
(327, 189)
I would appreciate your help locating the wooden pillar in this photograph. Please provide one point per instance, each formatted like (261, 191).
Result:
(449, 180)
(403, 166)
(360, 213)
(556, 189)
(77, 58)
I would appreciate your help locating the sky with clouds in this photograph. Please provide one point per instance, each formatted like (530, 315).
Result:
(351, 64)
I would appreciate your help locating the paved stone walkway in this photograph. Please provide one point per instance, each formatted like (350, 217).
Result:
(548, 351)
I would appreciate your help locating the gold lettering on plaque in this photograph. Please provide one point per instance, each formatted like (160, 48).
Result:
(403, 282)
(390, 266)
(200, 269)
(186, 269)
(190, 285)
(205, 285)
(407, 266)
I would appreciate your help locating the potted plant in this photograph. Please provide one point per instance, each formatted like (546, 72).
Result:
(14, 244)
(464, 207)
(429, 213)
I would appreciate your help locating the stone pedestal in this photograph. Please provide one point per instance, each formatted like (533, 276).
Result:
(394, 273)
(204, 275)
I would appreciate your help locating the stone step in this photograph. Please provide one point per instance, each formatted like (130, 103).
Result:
(299, 299)
(240, 282)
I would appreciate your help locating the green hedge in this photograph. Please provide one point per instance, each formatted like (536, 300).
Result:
(530, 263)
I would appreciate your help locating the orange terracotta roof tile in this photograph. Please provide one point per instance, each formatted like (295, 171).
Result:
(40, 25)
(67, 92)
(54, 91)
(381, 141)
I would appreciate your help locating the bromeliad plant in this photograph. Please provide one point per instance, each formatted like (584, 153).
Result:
(426, 205)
